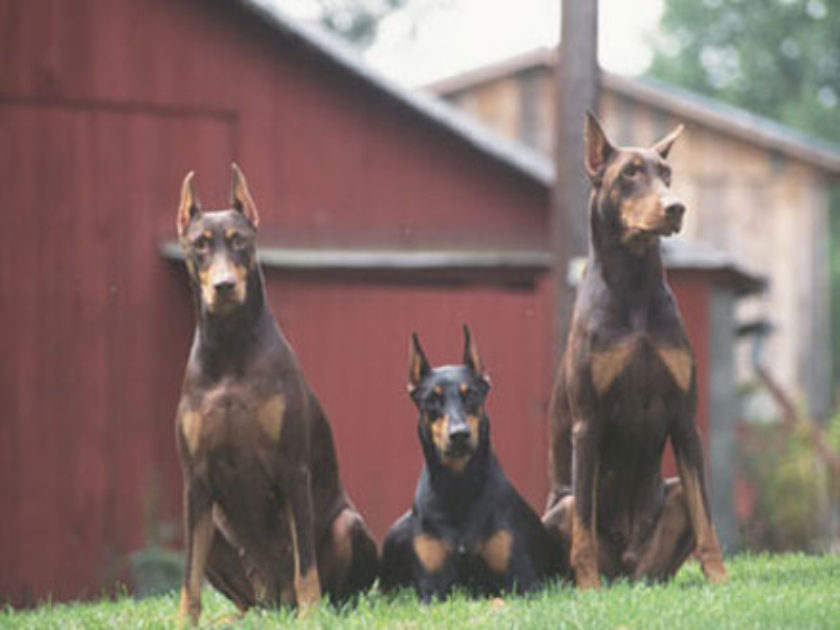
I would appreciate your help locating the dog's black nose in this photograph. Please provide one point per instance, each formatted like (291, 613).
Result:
(459, 436)
(224, 287)
(675, 210)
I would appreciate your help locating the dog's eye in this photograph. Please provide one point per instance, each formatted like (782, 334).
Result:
(630, 171)
(433, 405)
(665, 174)
(201, 245)
(470, 396)
(238, 242)
(473, 396)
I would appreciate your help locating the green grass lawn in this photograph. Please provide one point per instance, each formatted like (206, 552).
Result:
(789, 591)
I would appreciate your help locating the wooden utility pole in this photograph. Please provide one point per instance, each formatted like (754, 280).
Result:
(576, 90)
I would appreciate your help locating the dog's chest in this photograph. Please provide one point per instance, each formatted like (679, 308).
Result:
(638, 370)
(231, 416)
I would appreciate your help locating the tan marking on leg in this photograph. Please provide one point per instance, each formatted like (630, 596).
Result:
(496, 551)
(708, 547)
(584, 556)
(307, 587)
(201, 538)
(184, 608)
(679, 364)
(191, 429)
(431, 552)
(270, 416)
(661, 555)
(584, 552)
(606, 365)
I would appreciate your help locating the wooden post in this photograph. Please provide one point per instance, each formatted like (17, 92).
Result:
(576, 90)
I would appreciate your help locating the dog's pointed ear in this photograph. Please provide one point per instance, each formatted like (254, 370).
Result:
(663, 147)
(189, 206)
(471, 357)
(418, 364)
(240, 197)
(597, 147)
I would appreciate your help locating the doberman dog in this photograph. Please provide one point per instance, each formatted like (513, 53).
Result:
(468, 526)
(266, 517)
(626, 384)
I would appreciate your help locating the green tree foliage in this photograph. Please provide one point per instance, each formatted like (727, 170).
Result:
(778, 58)
(356, 20)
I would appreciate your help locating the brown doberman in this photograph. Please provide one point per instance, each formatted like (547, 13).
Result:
(468, 526)
(626, 384)
(266, 517)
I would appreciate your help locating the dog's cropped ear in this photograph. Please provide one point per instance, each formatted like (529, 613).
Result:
(189, 206)
(418, 365)
(471, 357)
(663, 147)
(597, 147)
(240, 197)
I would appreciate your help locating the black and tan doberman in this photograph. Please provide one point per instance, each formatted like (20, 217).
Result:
(468, 526)
(627, 383)
(266, 518)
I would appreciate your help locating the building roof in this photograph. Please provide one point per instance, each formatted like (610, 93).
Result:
(680, 102)
(514, 155)
(679, 252)
(331, 49)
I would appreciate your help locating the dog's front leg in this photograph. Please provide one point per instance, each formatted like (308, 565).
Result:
(689, 455)
(434, 585)
(307, 586)
(584, 551)
(199, 528)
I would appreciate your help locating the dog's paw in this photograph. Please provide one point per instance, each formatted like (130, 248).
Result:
(188, 611)
(715, 572)
(587, 579)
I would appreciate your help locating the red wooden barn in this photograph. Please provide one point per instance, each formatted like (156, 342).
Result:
(383, 213)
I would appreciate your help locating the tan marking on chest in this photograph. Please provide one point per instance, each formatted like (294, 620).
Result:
(431, 552)
(191, 429)
(496, 551)
(270, 416)
(679, 364)
(606, 365)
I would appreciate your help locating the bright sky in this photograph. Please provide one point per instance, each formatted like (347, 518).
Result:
(432, 39)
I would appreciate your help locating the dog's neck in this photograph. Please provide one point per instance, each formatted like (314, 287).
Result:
(459, 491)
(633, 277)
(225, 342)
